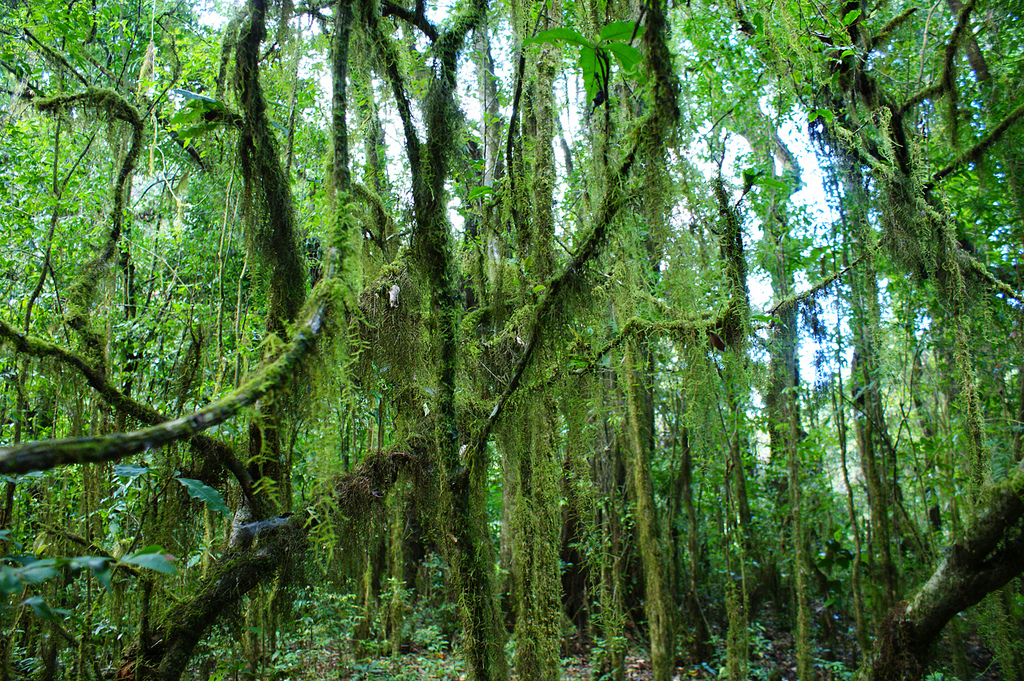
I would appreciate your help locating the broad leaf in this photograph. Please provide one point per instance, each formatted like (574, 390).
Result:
(593, 71)
(627, 55)
(208, 495)
(477, 192)
(38, 603)
(620, 30)
(123, 470)
(555, 35)
(154, 558)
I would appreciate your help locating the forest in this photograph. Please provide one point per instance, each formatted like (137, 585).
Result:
(535, 339)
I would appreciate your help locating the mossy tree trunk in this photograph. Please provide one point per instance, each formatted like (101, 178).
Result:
(659, 606)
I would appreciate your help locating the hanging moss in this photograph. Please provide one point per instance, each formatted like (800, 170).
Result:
(271, 229)
(108, 105)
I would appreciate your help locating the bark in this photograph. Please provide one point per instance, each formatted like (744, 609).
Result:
(989, 554)
(658, 604)
(46, 454)
(166, 653)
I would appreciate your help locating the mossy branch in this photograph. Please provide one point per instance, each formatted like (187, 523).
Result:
(56, 57)
(47, 454)
(974, 153)
(947, 81)
(984, 560)
(235, 576)
(637, 328)
(270, 210)
(388, 56)
(239, 571)
(203, 444)
(557, 290)
(417, 18)
(814, 290)
(648, 133)
(886, 31)
(83, 290)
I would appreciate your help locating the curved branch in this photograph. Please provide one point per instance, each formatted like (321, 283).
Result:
(983, 561)
(205, 445)
(389, 58)
(83, 290)
(946, 83)
(555, 295)
(813, 291)
(975, 152)
(417, 18)
(47, 454)
(278, 542)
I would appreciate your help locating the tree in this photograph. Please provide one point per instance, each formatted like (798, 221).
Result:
(254, 323)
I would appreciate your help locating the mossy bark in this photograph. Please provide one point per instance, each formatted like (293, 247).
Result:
(611, 552)
(658, 604)
(989, 555)
(536, 523)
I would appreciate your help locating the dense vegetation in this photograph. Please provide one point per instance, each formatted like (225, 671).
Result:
(503, 333)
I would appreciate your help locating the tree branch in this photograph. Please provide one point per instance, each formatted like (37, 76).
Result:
(205, 445)
(975, 152)
(417, 18)
(47, 454)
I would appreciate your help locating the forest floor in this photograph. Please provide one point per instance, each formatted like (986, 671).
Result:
(768, 656)
(771, 649)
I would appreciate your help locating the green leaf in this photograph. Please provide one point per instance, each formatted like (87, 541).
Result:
(559, 35)
(759, 24)
(477, 192)
(154, 558)
(123, 470)
(627, 55)
(851, 17)
(588, 63)
(38, 603)
(36, 572)
(619, 30)
(750, 176)
(208, 495)
(821, 113)
(186, 134)
(539, 288)
(101, 567)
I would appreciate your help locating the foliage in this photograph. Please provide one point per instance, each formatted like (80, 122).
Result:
(574, 324)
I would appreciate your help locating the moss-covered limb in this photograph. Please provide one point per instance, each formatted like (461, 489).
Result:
(791, 301)
(369, 12)
(55, 57)
(277, 543)
(82, 292)
(556, 292)
(46, 454)
(270, 212)
(339, 103)
(417, 18)
(974, 153)
(469, 545)
(203, 444)
(946, 81)
(658, 604)
(346, 237)
(989, 555)
(237, 574)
